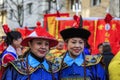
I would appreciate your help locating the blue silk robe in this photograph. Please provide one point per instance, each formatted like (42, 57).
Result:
(37, 70)
(73, 69)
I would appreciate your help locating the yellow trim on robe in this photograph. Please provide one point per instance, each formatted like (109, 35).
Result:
(54, 53)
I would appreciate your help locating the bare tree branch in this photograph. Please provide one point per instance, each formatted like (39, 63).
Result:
(13, 2)
(13, 11)
(19, 9)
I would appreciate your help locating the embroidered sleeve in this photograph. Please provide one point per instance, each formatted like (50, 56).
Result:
(57, 64)
(92, 59)
(7, 58)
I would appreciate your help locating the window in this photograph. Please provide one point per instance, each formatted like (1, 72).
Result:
(72, 3)
(29, 8)
(11, 14)
(76, 5)
(95, 2)
(1, 2)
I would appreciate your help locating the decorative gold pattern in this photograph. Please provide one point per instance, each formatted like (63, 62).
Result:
(100, 27)
(107, 34)
(86, 27)
(21, 67)
(113, 27)
(90, 60)
(76, 78)
(107, 40)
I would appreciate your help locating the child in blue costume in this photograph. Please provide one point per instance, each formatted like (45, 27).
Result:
(76, 65)
(34, 65)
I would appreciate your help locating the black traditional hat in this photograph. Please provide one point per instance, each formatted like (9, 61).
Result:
(75, 32)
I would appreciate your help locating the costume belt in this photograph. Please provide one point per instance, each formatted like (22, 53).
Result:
(76, 78)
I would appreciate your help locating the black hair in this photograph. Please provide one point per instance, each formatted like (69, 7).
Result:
(87, 45)
(13, 35)
(101, 44)
(106, 48)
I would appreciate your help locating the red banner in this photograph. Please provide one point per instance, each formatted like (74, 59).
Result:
(90, 25)
(102, 30)
(51, 24)
(108, 32)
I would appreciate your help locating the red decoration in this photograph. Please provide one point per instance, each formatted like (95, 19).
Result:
(38, 23)
(58, 14)
(6, 28)
(108, 18)
(77, 19)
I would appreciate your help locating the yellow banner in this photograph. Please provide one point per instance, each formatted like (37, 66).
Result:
(52, 24)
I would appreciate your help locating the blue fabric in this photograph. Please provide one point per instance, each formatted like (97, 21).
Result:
(69, 61)
(34, 63)
(75, 70)
(86, 51)
(95, 72)
(40, 74)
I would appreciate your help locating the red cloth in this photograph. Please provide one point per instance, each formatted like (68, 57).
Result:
(90, 25)
(7, 58)
(111, 35)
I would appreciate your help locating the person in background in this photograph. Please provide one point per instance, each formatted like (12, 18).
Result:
(75, 64)
(107, 57)
(100, 48)
(34, 65)
(13, 50)
(56, 52)
(13, 41)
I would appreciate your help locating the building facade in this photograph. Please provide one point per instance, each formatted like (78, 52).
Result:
(20, 13)
(89, 8)
(3, 12)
